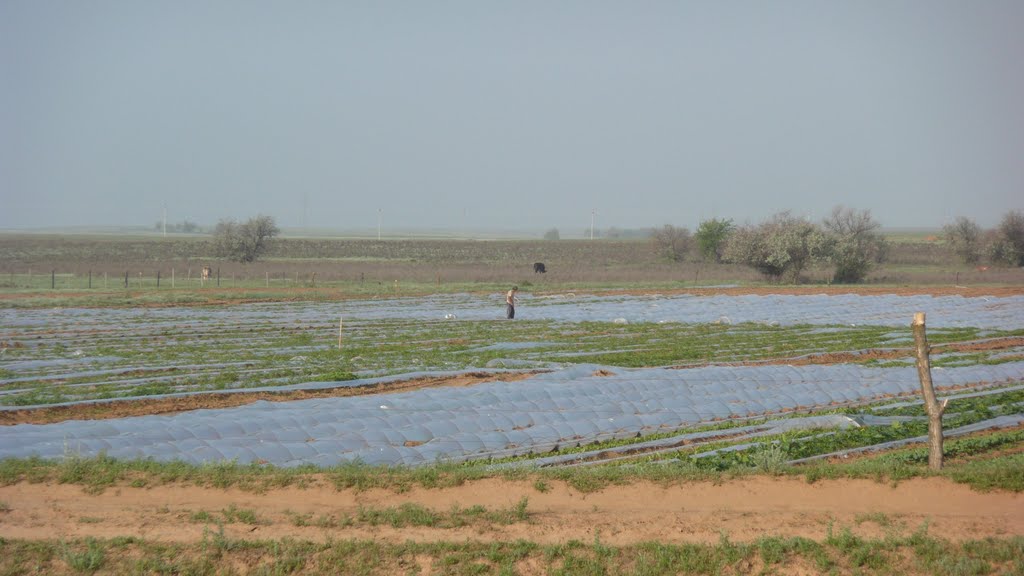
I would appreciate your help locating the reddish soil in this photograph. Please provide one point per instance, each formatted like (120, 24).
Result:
(696, 512)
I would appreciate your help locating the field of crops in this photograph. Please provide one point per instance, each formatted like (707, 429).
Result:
(615, 368)
(333, 416)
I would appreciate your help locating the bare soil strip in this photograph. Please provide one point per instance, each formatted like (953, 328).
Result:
(744, 510)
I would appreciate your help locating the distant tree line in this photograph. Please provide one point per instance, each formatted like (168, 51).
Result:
(1001, 246)
(784, 246)
(183, 227)
(781, 248)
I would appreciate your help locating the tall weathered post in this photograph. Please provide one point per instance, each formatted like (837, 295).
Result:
(932, 406)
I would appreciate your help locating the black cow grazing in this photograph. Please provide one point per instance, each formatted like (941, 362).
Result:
(538, 268)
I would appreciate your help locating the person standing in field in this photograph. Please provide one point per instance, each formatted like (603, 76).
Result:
(510, 303)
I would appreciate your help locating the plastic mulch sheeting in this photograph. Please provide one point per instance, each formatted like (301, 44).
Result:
(578, 405)
(1005, 313)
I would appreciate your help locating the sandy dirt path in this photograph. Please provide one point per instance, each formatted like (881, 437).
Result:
(696, 512)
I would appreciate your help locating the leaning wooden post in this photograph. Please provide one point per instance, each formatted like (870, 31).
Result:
(932, 406)
(341, 324)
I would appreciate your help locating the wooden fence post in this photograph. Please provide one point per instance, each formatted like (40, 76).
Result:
(932, 406)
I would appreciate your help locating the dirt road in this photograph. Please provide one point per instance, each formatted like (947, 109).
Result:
(697, 512)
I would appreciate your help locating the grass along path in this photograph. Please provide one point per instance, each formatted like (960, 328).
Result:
(743, 525)
(841, 552)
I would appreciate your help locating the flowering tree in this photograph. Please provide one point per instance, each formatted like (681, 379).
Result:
(855, 246)
(780, 248)
(1007, 245)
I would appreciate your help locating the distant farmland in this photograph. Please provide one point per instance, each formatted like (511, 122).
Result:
(614, 261)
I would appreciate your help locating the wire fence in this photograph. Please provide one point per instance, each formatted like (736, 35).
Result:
(189, 278)
(390, 275)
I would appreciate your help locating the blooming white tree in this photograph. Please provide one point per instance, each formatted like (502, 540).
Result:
(780, 248)
(855, 244)
(1007, 244)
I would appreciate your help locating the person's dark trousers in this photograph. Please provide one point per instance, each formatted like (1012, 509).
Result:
(510, 311)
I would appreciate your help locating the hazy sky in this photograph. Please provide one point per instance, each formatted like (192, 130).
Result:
(519, 114)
